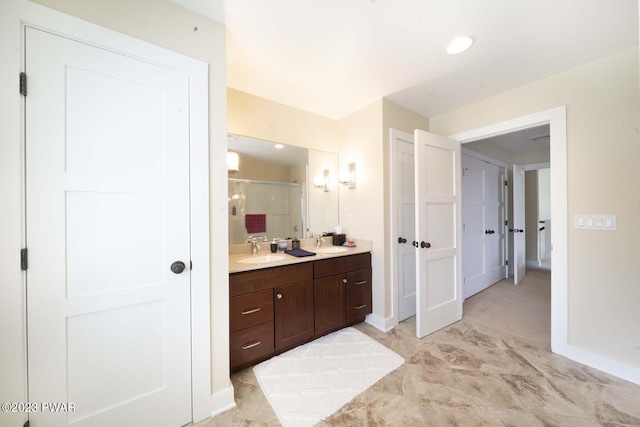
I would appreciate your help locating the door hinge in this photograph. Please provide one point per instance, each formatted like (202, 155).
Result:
(506, 262)
(506, 182)
(23, 84)
(24, 259)
(506, 222)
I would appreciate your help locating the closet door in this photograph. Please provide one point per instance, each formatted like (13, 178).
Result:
(107, 196)
(483, 224)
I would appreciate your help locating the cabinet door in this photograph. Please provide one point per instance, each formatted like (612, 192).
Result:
(293, 315)
(329, 293)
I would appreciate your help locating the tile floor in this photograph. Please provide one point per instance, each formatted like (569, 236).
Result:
(493, 368)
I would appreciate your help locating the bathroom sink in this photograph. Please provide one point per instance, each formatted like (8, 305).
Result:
(329, 250)
(259, 259)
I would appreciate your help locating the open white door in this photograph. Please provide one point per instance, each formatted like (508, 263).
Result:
(405, 211)
(438, 232)
(519, 241)
(107, 196)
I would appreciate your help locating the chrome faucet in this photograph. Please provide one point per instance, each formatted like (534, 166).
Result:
(319, 240)
(255, 247)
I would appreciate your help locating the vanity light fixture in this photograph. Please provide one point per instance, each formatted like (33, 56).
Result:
(459, 45)
(233, 162)
(349, 181)
(322, 181)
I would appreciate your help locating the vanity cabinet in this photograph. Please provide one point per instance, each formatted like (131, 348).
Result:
(274, 309)
(342, 289)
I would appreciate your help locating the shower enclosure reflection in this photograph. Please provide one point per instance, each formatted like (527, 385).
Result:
(265, 209)
(271, 193)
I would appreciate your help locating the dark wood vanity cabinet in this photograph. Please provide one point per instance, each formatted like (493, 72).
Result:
(342, 288)
(274, 309)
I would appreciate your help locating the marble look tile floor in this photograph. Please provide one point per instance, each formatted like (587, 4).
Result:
(493, 368)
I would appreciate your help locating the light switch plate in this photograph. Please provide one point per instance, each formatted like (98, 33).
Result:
(596, 222)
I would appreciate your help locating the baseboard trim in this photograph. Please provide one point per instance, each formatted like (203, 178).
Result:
(222, 401)
(601, 363)
(533, 263)
(385, 325)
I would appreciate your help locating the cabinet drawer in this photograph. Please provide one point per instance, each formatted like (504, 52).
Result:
(250, 309)
(359, 281)
(339, 265)
(358, 305)
(251, 344)
(268, 278)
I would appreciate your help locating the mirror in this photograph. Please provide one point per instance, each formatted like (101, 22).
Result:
(280, 191)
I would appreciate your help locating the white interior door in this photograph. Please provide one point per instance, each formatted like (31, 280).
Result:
(482, 232)
(438, 232)
(518, 226)
(107, 196)
(405, 214)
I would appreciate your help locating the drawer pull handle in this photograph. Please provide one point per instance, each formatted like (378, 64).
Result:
(344, 280)
(360, 306)
(251, 311)
(361, 283)
(248, 346)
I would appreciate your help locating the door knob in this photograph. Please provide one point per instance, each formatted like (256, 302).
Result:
(425, 244)
(414, 243)
(511, 230)
(402, 240)
(177, 267)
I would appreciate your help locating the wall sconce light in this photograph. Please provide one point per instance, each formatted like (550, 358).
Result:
(233, 161)
(322, 181)
(350, 180)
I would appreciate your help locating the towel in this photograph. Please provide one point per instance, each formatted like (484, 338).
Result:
(299, 252)
(255, 223)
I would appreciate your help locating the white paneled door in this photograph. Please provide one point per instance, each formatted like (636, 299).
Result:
(107, 202)
(519, 241)
(483, 213)
(438, 231)
(405, 214)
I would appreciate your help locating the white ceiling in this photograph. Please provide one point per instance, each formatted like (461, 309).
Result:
(332, 57)
(523, 140)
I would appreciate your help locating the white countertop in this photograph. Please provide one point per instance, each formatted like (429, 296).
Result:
(238, 252)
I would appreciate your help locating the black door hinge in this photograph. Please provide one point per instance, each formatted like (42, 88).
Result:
(506, 262)
(23, 84)
(24, 259)
(506, 182)
(506, 222)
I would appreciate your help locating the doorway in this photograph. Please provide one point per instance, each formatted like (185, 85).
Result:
(556, 119)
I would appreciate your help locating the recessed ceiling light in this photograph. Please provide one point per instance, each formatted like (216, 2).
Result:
(279, 146)
(459, 44)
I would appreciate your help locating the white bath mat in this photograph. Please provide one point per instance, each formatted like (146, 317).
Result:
(307, 384)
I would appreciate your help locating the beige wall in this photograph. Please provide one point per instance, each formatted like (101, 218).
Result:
(168, 25)
(603, 149)
(254, 168)
(396, 117)
(260, 118)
